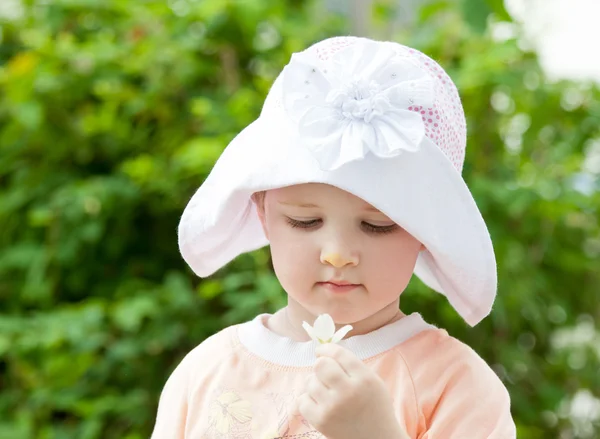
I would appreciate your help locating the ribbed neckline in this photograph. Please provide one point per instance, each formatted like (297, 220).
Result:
(272, 347)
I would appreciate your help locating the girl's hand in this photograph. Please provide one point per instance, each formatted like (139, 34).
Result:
(347, 400)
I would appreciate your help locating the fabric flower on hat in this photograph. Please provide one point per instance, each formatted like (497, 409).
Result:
(356, 102)
(324, 331)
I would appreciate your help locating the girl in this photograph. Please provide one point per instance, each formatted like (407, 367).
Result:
(352, 174)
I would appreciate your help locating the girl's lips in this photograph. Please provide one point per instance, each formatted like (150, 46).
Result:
(337, 288)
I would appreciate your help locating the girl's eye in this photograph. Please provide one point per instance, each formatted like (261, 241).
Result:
(303, 224)
(379, 229)
(367, 226)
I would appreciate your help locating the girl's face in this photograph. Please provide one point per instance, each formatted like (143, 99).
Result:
(319, 234)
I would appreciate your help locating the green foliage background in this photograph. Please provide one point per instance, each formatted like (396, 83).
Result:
(111, 114)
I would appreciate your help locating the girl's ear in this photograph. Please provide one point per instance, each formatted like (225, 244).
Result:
(261, 215)
(259, 203)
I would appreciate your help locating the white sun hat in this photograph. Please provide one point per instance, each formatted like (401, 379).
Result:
(377, 119)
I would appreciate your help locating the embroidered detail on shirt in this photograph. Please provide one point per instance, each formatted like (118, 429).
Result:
(229, 416)
(308, 435)
(233, 416)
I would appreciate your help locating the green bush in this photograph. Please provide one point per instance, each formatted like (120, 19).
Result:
(111, 114)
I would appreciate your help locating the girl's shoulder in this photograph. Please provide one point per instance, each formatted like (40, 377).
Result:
(434, 349)
(221, 341)
(452, 382)
(210, 353)
(440, 363)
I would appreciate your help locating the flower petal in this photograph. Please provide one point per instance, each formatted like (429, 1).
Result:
(324, 327)
(310, 331)
(320, 123)
(341, 333)
(413, 92)
(399, 69)
(303, 77)
(366, 61)
(397, 132)
(352, 145)
(321, 132)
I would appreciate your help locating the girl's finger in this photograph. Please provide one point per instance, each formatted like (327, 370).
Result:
(330, 373)
(307, 407)
(349, 362)
(317, 390)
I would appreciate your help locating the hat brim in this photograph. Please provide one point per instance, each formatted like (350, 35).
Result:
(421, 191)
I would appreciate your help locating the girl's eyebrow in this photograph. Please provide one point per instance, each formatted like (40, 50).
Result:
(367, 207)
(298, 204)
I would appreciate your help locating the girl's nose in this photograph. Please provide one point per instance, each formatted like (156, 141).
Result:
(338, 260)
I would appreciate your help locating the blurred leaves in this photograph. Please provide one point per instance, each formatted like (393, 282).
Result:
(113, 112)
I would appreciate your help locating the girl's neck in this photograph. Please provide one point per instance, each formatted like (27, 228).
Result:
(287, 321)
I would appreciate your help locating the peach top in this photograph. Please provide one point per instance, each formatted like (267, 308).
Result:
(241, 383)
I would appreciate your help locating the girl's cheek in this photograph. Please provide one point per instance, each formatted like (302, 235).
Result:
(298, 248)
(288, 241)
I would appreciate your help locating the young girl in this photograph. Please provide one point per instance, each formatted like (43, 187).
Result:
(352, 174)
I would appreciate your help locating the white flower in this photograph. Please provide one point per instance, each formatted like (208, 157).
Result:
(323, 330)
(356, 102)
